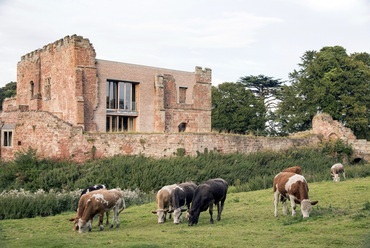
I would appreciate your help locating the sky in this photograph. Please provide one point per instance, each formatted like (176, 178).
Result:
(234, 38)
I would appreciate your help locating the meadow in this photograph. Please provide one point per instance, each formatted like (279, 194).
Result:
(341, 219)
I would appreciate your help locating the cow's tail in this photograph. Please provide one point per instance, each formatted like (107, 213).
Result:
(122, 206)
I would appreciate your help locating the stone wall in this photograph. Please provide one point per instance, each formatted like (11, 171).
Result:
(57, 139)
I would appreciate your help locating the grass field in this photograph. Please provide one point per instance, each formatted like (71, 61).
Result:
(341, 219)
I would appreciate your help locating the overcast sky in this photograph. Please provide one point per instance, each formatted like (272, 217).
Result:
(234, 38)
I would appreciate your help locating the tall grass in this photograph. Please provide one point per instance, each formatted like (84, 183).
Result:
(143, 175)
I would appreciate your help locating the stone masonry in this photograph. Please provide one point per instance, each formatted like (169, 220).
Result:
(63, 110)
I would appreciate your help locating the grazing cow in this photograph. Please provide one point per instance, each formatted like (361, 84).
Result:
(182, 195)
(93, 188)
(210, 192)
(292, 186)
(163, 202)
(294, 169)
(336, 170)
(96, 203)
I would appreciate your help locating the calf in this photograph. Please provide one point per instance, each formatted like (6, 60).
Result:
(163, 199)
(96, 203)
(294, 169)
(210, 192)
(336, 170)
(294, 186)
(182, 195)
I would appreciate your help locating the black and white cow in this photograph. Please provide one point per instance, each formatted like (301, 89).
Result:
(336, 170)
(92, 188)
(182, 195)
(292, 186)
(206, 194)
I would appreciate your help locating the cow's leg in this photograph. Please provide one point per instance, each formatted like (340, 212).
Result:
(293, 204)
(211, 212)
(285, 208)
(276, 201)
(107, 222)
(220, 208)
(344, 175)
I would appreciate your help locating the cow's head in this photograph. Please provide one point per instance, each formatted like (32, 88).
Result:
(84, 226)
(193, 217)
(161, 213)
(177, 215)
(306, 206)
(336, 177)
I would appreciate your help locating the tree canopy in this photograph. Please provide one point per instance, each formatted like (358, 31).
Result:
(329, 81)
(236, 109)
(8, 90)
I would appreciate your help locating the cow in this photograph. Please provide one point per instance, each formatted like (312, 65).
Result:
(336, 170)
(295, 169)
(182, 195)
(163, 199)
(92, 188)
(97, 203)
(292, 186)
(206, 194)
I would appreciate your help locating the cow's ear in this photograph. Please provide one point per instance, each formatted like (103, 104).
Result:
(71, 219)
(170, 211)
(314, 202)
(154, 212)
(183, 210)
(297, 201)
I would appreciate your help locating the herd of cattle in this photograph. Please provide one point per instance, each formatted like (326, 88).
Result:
(289, 184)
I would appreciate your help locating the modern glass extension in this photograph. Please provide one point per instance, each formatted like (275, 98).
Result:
(121, 106)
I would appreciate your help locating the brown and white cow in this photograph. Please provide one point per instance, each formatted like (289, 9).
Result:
(163, 199)
(97, 203)
(181, 196)
(294, 169)
(292, 186)
(336, 170)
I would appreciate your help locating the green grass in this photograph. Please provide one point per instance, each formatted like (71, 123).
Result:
(341, 219)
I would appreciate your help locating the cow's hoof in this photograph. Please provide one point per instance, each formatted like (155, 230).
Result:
(111, 226)
(101, 228)
(212, 222)
(117, 226)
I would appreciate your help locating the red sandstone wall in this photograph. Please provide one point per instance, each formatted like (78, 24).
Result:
(69, 65)
(54, 138)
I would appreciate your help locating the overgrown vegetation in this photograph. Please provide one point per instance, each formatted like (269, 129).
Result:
(244, 172)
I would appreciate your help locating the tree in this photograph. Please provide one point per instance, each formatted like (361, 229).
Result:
(235, 109)
(328, 81)
(265, 88)
(8, 90)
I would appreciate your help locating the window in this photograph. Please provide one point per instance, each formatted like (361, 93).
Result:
(7, 135)
(47, 89)
(121, 106)
(32, 89)
(8, 138)
(119, 123)
(121, 96)
(182, 94)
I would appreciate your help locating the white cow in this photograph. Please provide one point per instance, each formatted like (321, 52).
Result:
(336, 170)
